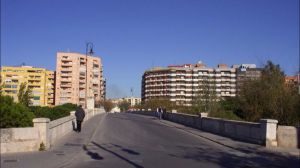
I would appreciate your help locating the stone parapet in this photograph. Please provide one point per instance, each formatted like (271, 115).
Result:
(44, 131)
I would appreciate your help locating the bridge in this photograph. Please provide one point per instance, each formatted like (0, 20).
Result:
(133, 140)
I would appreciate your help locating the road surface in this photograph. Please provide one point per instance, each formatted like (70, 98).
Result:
(131, 140)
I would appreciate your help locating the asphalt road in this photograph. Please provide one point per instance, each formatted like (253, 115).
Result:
(130, 140)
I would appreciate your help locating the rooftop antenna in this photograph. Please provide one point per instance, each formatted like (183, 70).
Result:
(131, 90)
(89, 48)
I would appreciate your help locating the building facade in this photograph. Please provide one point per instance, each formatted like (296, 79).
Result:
(246, 72)
(183, 83)
(78, 77)
(39, 80)
(133, 100)
(292, 80)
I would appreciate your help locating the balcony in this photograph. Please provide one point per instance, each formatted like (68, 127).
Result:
(66, 80)
(66, 59)
(63, 70)
(66, 64)
(95, 81)
(81, 94)
(65, 85)
(82, 69)
(66, 95)
(66, 74)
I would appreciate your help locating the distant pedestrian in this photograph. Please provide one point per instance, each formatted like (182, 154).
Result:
(164, 112)
(80, 114)
(160, 113)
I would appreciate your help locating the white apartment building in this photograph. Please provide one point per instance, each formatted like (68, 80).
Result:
(133, 100)
(182, 83)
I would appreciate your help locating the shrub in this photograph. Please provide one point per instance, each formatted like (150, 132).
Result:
(53, 113)
(14, 114)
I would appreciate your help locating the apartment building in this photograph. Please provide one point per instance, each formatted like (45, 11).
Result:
(39, 80)
(182, 83)
(291, 80)
(78, 77)
(246, 72)
(133, 100)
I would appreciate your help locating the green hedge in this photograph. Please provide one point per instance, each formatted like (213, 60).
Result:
(53, 113)
(14, 114)
(17, 115)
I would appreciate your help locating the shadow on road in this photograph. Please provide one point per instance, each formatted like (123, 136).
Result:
(120, 156)
(127, 150)
(232, 158)
(93, 155)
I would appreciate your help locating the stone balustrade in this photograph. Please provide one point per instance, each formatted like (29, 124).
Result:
(44, 131)
(266, 132)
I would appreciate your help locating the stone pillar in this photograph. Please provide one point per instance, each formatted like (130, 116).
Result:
(72, 113)
(268, 132)
(42, 125)
(90, 103)
(74, 124)
(200, 120)
(201, 115)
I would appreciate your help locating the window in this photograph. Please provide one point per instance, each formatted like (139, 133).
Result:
(36, 97)
(10, 86)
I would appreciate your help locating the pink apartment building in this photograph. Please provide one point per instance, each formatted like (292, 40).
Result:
(71, 78)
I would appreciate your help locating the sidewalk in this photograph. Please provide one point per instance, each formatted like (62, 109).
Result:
(63, 153)
(231, 143)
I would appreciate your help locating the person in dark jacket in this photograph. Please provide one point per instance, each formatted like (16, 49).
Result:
(79, 114)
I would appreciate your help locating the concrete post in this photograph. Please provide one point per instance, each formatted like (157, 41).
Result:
(72, 113)
(42, 125)
(201, 115)
(200, 120)
(268, 132)
(74, 123)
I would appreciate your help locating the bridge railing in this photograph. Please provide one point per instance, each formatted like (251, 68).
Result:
(266, 132)
(44, 132)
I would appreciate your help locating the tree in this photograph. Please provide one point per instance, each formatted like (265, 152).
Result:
(124, 105)
(14, 114)
(206, 99)
(107, 104)
(25, 94)
(157, 103)
(269, 97)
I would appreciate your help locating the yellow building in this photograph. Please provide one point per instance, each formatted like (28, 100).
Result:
(39, 80)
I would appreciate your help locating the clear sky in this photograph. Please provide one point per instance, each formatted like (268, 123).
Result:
(134, 35)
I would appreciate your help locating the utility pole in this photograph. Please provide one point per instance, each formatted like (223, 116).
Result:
(131, 90)
(88, 51)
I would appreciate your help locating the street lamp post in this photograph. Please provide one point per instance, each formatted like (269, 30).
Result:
(88, 51)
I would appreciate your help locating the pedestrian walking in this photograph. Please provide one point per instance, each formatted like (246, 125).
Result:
(79, 114)
(160, 113)
(164, 111)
